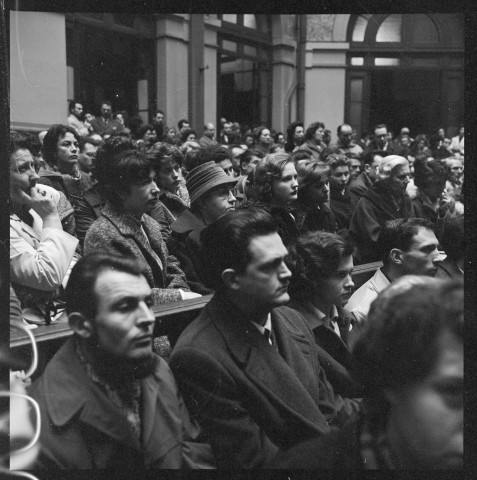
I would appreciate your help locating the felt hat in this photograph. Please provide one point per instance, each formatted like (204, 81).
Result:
(204, 178)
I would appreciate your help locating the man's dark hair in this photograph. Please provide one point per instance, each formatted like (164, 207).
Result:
(72, 105)
(164, 154)
(119, 165)
(18, 141)
(328, 151)
(84, 140)
(106, 102)
(247, 155)
(32, 143)
(400, 342)
(368, 157)
(79, 293)
(380, 125)
(428, 171)
(300, 155)
(313, 258)
(213, 153)
(312, 128)
(335, 160)
(400, 234)
(50, 142)
(224, 243)
(181, 122)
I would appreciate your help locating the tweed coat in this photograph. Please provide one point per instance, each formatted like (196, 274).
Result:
(251, 398)
(83, 429)
(117, 232)
(89, 206)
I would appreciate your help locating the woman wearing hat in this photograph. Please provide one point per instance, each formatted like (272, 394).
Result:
(211, 195)
(276, 187)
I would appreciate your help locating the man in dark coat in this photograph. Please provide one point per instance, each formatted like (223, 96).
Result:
(106, 400)
(385, 200)
(366, 179)
(104, 124)
(247, 366)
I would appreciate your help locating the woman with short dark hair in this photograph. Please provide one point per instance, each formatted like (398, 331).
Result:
(321, 264)
(127, 180)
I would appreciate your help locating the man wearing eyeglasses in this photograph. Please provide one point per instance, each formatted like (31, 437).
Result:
(106, 400)
(366, 179)
(211, 192)
(381, 142)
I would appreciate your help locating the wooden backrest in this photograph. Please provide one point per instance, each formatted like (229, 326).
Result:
(171, 319)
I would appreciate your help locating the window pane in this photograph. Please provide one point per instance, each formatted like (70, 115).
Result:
(356, 89)
(249, 21)
(360, 28)
(386, 62)
(424, 30)
(248, 50)
(390, 29)
(231, 46)
(229, 17)
(425, 62)
(357, 61)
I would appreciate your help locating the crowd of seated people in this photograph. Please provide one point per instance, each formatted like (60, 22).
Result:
(277, 366)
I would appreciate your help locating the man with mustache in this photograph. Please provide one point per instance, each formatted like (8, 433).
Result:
(248, 366)
(106, 400)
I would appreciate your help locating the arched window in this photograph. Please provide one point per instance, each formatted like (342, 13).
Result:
(390, 29)
(405, 69)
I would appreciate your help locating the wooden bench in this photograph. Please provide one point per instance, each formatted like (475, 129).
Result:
(171, 319)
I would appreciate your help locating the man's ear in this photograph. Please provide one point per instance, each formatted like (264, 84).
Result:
(231, 279)
(396, 256)
(81, 325)
(367, 167)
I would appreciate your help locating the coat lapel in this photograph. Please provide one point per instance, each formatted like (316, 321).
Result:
(75, 392)
(285, 375)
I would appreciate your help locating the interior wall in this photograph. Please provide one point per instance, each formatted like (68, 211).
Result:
(38, 74)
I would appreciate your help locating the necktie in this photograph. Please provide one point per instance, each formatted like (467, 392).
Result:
(268, 335)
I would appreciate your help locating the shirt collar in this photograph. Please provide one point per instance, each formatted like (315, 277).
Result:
(267, 326)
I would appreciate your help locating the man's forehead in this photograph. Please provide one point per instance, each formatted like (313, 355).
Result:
(423, 236)
(20, 156)
(263, 248)
(112, 285)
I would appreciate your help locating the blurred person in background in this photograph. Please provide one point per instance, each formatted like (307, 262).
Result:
(410, 360)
